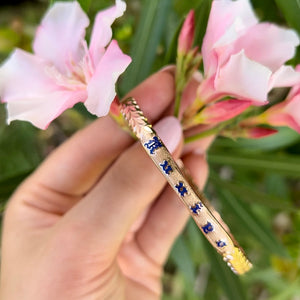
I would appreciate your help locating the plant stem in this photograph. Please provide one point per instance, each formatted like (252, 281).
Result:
(206, 133)
(201, 135)
(177, 103)
(179, 81)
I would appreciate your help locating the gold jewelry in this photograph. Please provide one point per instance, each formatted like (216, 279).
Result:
(207, 219)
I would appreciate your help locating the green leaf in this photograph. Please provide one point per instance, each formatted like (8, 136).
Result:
(277, 185)
(201, 18)
(171, 54)
(252, 223)
(229, 282)
(194, 241)
(277, 163)
(85, 4)
(284, 138)
(185, 6)
(20, 154)
(19, 149)
(251, 195)
(291, 12)
(290, 9)
(267, 10)
(181, 257)
(7, 186)
(9, 39)
(292, 292)
(146, 40)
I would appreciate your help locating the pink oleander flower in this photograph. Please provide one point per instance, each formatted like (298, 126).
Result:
(243, 58)
(285, 113)
(63, 70)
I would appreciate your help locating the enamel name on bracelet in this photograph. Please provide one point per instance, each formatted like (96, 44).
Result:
(207, 219)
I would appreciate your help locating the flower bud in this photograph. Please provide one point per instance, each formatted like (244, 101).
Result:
(248, 132)
(186, 36)
(114, 107)
(259, 132)
(222, 111)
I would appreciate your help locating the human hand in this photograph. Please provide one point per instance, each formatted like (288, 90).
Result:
(96, 220)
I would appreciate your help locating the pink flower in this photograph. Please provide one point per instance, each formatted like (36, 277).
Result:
(251, 132)
(286, 113)
(186, 36)
(63, 70)
(258, 132)
(243, 58)
(217, 112)
(223, 111)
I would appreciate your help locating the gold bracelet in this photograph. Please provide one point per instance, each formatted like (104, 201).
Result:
(205, 216)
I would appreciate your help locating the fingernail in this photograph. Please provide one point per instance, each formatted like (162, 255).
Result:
(199, 151)
(170, 131)
(169, 68)
(197, 76)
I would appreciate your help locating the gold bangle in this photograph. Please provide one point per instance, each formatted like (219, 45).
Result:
(205, 216)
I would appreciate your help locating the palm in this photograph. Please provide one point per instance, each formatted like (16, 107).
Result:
(73, 230)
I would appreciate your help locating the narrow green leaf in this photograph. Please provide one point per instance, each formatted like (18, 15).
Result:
(19, 150)
(292, 292)
(290, 9)
(284, 138)
(8, 185)
(146, 40)
(85, 4)
(171, 54)
(185, 6)
(291, 12)
(201, 18)
(252, 223)
(288, 165)
(251, 195)
(277, 185)
(195, 246)
(181, 257)
(229, 282)
(267, 10)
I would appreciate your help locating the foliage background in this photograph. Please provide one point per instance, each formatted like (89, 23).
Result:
(254, 184)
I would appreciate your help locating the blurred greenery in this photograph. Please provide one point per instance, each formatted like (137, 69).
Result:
(253, 183)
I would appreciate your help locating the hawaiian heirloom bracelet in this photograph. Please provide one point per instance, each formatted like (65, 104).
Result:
(200, 209)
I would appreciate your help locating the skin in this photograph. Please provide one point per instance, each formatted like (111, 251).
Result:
(79, 228)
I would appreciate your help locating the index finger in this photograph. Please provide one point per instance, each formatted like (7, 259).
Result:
(76, 165)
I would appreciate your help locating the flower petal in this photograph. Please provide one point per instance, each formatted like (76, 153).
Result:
(227, 20)
(244, 78)
(102, 33)
(268, 44)
(259, 132)
(293, 108)
(223, 110)
(284, 76)
(187, 33)
(42, 109)
(284, 119)
(30, 94)
(24, 74)
(58, 38)
(101, 88)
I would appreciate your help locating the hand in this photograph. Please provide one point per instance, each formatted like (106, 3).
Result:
(96, 220)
